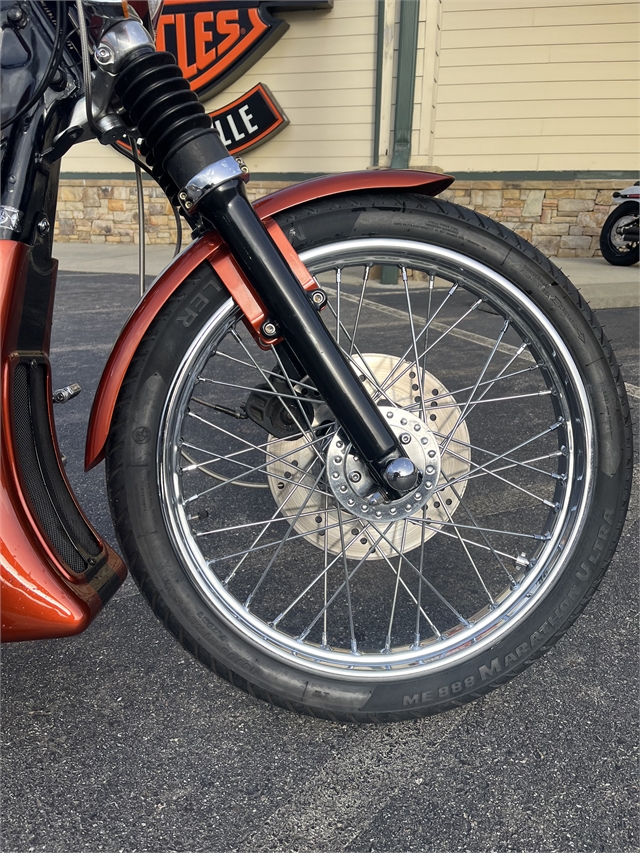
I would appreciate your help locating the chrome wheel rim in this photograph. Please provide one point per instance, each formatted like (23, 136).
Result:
(247, 583)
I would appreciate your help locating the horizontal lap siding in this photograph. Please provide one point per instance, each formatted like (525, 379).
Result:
(502, 5)
(322, 73)
(549, 85)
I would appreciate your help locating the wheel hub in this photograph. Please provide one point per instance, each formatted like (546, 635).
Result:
(320, 510)
(351, 483)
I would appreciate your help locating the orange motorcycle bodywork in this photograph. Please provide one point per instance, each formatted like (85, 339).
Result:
(41, 597)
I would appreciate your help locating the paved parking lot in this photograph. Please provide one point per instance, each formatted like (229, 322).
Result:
(117, 740)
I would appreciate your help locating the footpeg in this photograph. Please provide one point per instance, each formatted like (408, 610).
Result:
(63, 395)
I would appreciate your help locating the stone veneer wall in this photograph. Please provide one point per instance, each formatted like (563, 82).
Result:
(562, 218)
(106, 211)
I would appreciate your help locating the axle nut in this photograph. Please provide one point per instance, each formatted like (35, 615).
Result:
(402, 475)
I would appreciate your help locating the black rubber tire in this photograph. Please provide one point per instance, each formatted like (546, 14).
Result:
(610, 252)
(138, 517)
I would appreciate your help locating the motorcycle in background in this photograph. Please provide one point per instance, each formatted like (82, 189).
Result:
(619, 236)
(361, 501)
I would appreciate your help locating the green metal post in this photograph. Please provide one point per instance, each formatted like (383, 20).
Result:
(405, 86)
(406, 80)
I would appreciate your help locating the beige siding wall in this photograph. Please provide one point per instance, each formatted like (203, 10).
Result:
(537, 85)
(426, 95)
(501, 85)
(322, 73)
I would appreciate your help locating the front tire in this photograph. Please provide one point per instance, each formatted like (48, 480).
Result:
(486, 354)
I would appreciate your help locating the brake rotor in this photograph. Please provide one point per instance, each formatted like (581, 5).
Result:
(326, 518)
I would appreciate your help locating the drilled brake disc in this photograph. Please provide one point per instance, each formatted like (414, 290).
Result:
(320, 512)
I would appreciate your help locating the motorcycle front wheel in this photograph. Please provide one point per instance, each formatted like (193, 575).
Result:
(239, 504)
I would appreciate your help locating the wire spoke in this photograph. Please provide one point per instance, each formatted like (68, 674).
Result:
(466, 408)
(309, 587)
(361, 367)
(274, 519)
(350, 575)
(470, 558)
(417, 632)
(271, 385)
(447, 331)
(458, 391)
(433, 589)
(462, 334)
(202, 466)
(325, 585)
(252, 367)
(263, 547)
(237, 386)
(401, 580)
(247, 603)
(387, 644)
(337, 312)
(511, 450)
(475, 403)
(352, 631)
(525, 463)
(365, 280)
(472, 475)
(263, 448)
(429, 522)
(291, 388)
(244, 473)
(425, 329)
(436, 527)
(483, 531)
(493, 473)
(414, 342)
(253, 547)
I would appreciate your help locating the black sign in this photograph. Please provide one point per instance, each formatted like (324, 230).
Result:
(250, 120)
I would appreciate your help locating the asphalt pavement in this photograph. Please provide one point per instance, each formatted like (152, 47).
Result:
(117, 741)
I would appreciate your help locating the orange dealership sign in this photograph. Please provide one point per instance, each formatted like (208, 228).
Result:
(216, 41)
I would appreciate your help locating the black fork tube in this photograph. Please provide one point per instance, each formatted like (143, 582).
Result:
(179, 138)
(229, 210)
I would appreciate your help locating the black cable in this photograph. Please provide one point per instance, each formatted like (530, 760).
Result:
(52, 65)
(176, 213)
(141, 232)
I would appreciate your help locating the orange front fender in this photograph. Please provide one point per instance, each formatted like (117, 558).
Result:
(211, 248)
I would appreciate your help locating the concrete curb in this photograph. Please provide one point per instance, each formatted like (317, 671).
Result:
(601, 284)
